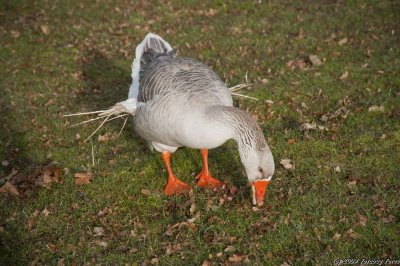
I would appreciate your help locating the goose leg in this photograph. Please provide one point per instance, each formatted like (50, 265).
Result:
(205, 178)
(174, 185)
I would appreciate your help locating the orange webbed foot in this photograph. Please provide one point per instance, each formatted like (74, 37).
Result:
(176, 186)
(207, 181)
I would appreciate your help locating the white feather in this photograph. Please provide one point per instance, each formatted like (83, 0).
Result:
(134, 88)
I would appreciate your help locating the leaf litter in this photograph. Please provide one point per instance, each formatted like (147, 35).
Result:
(83, 178)
(21, 184)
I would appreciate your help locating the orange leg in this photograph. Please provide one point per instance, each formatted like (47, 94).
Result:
(205, 178)
(174, 185)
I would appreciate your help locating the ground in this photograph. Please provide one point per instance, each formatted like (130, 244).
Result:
(327, 76)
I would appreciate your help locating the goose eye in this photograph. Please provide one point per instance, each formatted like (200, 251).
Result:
(260, 170)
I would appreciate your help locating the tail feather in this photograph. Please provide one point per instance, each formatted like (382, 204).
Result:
(150, 42)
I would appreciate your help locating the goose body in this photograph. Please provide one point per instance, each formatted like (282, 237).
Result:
(183, 103)
(182, 100)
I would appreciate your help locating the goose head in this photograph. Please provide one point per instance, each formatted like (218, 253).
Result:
(260, 167)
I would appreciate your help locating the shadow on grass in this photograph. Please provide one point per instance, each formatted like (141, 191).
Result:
(105, 82)
(13, 148)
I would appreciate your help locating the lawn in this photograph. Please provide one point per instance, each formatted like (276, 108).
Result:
(335, 117)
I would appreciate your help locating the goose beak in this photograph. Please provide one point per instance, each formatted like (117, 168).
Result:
(258, 190)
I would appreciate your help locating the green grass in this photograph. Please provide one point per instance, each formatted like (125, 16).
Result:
(84, 64)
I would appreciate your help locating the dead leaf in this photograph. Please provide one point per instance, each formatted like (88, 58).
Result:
(145, 191)
(336, 236)
(308, 126)
(362, 220)
(45, 212)
(9, 188)
(337, 169)
(345, 75)
(45, 29)
(61, 262)
(52, 247)
(102, 244)
(287, 219)
(352, 183)
(233, 190)
(206, 263)
(211, 12)
(351, 234)
(83, 178)
(236, 258)
(104, 138)
(297, 63)
(32, 219)
(98, 231)
(287, 164)
(15, 34)
(315, 61)
(154, 261)
(376, 108)
(229, 249)
(104, 212)
(340, 112)
(48, 175)
(291, 141)
(189, 223)
(343, 41)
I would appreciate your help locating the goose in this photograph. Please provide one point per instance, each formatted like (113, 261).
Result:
(180, 102)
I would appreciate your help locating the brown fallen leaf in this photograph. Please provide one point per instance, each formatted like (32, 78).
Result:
(352, 183)
(154, 261)
(315, 61)
(145, 191)
(52, 247)
(189, 223)
(376, 108)
(61, 262)
(48, 175)
(287, 164)
(362, 220)
(343, 41)
(344, 76)
(336, 236)
(9, 188)
(297, 63)
(15, 34)
(337, 169)
(45, 29)
(308, 126)
(104, 138)
(102, 244)
(236, 258)
(83, 178)
(351, 234)
(98, 231)
(30, 224)
(45, 212)
(229, 249)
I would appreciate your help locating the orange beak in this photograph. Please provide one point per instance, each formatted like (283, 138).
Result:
(258, 189)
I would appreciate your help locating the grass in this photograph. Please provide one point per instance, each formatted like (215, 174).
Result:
(314, 213)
